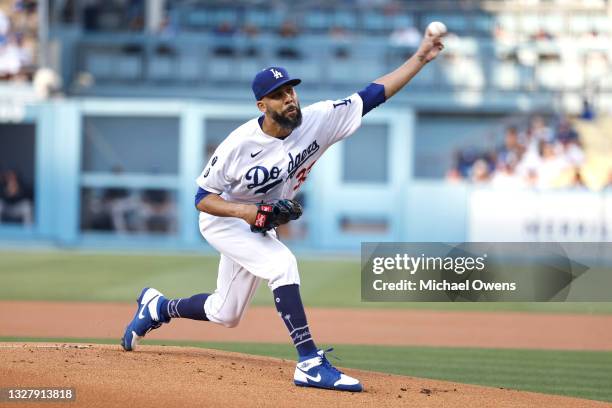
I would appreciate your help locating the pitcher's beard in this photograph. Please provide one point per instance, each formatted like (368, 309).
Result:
(286, 122)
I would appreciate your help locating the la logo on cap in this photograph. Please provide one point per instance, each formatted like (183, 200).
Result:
(276, 73)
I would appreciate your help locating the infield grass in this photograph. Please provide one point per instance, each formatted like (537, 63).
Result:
(80, 276)
(581, 374)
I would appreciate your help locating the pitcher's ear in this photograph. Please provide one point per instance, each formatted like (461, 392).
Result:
(261, 106)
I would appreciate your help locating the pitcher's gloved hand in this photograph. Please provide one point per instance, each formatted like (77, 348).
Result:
(271, 215)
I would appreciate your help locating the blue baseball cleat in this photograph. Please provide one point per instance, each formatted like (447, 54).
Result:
(147, 318)
(318, 372)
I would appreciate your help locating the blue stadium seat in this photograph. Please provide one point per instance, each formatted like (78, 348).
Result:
(220, 68)
(113, 65)
(428, 78)
(100, 65)
(128, 67)
(224, 15)
(197, 19)
(375, 21)
(264, 18)
(549, 75)
(308, 70)
(161, 68)
(482, 23)
(573, 74)
(401, 21)
(345, 19)
(354, 71)
(529, 23)
(602, 24)
(505, 75)
(316, 20)
(190, 67)
(507, 21)
(580, 24)
(247, 68)
(552, 23)
(463, 73)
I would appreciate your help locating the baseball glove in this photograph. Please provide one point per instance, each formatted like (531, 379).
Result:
(271, 215)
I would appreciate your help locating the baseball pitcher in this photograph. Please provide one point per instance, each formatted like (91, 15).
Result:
(247, 189)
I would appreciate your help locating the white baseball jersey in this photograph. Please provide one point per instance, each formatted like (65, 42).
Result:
(250, 166)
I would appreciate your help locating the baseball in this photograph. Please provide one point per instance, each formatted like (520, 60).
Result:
(436, 29)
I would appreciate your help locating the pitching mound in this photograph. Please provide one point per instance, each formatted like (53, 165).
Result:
(106, 376)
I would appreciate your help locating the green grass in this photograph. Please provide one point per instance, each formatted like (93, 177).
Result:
(78, 276)
(582, 374)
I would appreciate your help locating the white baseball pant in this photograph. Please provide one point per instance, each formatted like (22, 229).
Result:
(246, 259)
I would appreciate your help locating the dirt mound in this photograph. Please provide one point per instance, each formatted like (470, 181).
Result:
(106, 376)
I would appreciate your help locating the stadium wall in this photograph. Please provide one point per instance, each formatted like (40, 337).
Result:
(365, 189)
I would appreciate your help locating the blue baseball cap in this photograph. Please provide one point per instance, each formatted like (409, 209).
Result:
(270, 79)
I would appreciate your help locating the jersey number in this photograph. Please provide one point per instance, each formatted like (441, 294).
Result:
(302, 175)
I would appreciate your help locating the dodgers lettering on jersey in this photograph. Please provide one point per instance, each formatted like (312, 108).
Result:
(250, 166)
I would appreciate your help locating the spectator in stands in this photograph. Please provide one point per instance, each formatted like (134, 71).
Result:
(28, 6)
(591, 38)
(167, 27)
(225, 29)
(288, 32)
(588, 113)
(500, 34)
(25, 50)
(531, 178)
(136, 15)
(158, 211)
(505, 176)
(406, 37)
(568, 144)
(250, 32)
(542, 35)
(5, 26)
(577, 181)
(465, 159)
(480, 172)
(24, 16)
(94, 215)
(565, 132)
(224, 32)
(121, 206)
(404, 41)
(339, 37)
(91, 14)
(572, 152)
(512, 150)
(10, 58)
(540, 130)
(538, 158)
(454, 176)
(18, 34)
(16, 199)
(552, 165)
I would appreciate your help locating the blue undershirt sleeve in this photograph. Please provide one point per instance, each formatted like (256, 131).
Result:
(200, 195)
(372, 96)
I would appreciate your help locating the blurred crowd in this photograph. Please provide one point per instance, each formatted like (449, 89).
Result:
(540, 154)
(18, 39)
(16, 199)
(129, 211)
